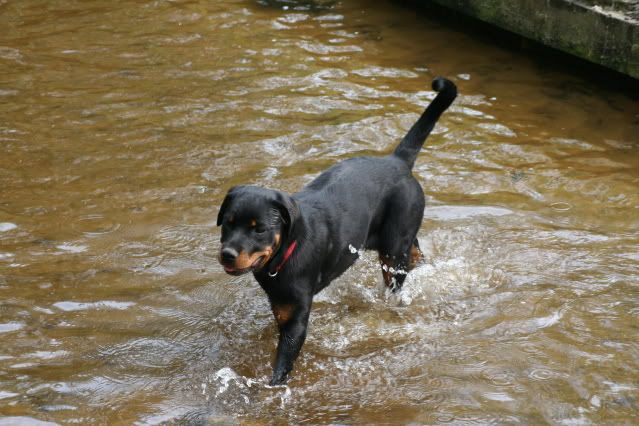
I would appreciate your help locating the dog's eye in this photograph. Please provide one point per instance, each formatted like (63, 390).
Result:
(260, 229)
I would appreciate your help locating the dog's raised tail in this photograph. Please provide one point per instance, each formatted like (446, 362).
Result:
(409, 147)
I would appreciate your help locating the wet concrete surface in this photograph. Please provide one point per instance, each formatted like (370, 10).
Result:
(603, 32)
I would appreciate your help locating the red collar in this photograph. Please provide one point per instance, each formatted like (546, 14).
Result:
(287, 256)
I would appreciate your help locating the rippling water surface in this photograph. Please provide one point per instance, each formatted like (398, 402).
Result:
(122, 124)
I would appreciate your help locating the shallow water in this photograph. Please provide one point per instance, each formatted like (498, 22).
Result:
(123, 124)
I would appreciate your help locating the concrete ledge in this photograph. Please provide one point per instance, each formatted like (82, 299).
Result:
(604, 32)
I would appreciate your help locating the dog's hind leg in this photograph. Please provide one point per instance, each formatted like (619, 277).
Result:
(398, 247)
(394, 271)
(416, 255)
(398, 255)
(391, 272)
(395, 268)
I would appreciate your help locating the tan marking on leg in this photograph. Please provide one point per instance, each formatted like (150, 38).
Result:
(282, 313)
(416, 256)
(386, 267)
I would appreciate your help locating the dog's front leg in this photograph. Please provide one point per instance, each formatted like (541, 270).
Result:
(292, 319)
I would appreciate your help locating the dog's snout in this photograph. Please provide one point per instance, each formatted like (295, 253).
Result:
(228, 255)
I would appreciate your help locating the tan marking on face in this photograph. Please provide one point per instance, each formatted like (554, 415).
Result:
(282, 313)
(253, 223)
(245, 260)
(232, 219)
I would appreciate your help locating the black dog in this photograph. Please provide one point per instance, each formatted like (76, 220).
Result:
(295, 245)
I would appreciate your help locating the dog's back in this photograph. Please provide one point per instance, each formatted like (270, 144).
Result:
(367, 202)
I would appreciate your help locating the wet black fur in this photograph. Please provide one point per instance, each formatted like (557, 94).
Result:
(373, 203)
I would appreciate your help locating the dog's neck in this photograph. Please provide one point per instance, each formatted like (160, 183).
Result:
(286, 255)
(286, 250)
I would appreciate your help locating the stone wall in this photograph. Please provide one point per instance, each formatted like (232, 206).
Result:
(603, 32)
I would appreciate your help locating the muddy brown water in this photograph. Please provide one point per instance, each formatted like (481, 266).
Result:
(122, 124)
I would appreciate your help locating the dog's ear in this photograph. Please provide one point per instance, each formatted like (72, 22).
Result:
(288, 209)
(227, 200)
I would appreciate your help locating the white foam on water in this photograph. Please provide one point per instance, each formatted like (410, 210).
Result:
(463, 212)
(5, 394)
(24, 421)
(11, 326)
(225, 376)
(7, 226)
(47, 354)
(240, 392)
(442, 277)
(71, 248)
(83, 306)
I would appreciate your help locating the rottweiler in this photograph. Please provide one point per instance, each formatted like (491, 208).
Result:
(295, 245)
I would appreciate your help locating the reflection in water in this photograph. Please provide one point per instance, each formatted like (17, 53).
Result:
(122, 128)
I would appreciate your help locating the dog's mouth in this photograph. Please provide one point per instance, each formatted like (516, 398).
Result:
(232, 270)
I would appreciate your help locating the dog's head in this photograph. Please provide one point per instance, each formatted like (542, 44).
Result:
(254, 222)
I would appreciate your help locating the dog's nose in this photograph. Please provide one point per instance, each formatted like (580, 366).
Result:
(228, 255)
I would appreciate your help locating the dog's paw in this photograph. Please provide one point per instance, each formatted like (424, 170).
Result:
(278, 379)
